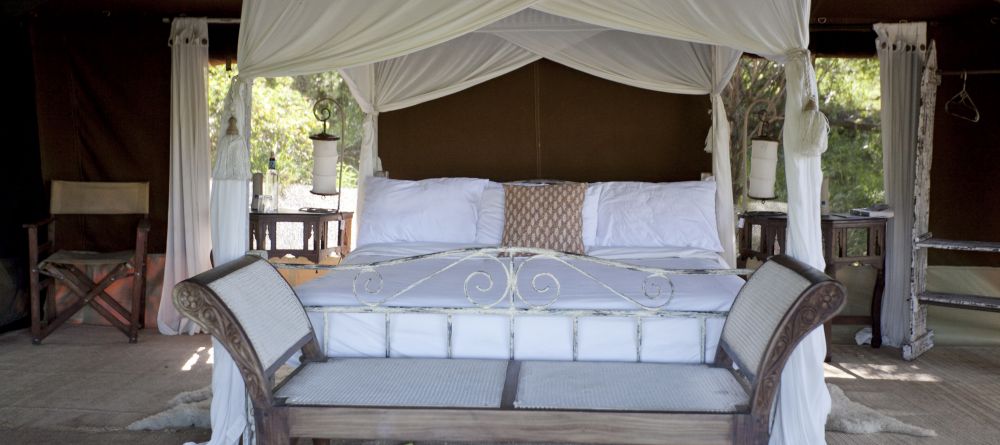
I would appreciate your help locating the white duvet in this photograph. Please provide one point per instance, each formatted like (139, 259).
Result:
(537, 337)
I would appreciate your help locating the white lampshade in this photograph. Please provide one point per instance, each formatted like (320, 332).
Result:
(763, 168)
(325, 158)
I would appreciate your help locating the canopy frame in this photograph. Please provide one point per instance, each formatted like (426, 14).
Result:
(366, 40)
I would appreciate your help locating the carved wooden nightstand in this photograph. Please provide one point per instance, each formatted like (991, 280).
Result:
(315, 227)
(848, 240)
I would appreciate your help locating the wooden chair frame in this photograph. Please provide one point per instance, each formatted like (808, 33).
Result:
(276, 422)
(44, 320)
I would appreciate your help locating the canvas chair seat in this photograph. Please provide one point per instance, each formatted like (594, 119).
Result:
(86, 258)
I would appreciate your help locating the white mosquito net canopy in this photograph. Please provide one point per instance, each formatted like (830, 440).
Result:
(398, 53)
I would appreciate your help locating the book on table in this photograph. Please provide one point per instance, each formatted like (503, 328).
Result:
(873, 211)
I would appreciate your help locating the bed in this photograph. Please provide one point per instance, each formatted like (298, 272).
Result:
(685, 47)
(405, 297)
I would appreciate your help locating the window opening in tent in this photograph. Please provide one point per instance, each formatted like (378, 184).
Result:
(850, 94)
(282, 121)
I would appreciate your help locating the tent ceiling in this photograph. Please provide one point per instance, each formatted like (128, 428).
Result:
(839, 12)
(835, 24)
(866, 12)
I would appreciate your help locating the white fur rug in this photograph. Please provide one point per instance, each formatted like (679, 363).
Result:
(186, 410)
(191, 409)
(848, 416)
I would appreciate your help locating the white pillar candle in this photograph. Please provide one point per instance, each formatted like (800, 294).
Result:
(763, 168)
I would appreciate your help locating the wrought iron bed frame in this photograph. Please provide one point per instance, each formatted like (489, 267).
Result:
(368, 281)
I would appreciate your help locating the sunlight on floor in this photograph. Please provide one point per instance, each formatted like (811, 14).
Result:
(833, 372)
(209, 354)
(870, 371)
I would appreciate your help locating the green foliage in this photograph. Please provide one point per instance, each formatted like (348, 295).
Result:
(850, 96)
(849, 93)
(283, 120)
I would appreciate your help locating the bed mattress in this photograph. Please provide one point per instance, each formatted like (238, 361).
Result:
(691, 336)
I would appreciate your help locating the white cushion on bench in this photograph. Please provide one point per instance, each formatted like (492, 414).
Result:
(628, 387)
(398, 382)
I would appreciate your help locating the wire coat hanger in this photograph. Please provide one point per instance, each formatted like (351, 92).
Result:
(961, 105)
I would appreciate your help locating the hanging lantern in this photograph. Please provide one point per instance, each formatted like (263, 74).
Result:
(326, 154)
(763, 168)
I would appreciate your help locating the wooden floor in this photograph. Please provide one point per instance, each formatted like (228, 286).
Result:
(87, 383)
(953, 390)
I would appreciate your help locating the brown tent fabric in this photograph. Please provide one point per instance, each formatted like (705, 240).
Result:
(545, 120)
(20, 184)
(103, 99)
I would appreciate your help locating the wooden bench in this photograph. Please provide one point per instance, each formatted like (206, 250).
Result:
(256, 315)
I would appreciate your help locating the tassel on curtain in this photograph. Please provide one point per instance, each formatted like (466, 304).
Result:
(232, 153)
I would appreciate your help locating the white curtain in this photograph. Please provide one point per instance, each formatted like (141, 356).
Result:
(725, 62)
(312, 36)
(309, 36)
(188, 232)
(901, 51)
(643, 61)
(230, 241)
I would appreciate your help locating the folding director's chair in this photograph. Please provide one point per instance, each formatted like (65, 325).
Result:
(50, 265)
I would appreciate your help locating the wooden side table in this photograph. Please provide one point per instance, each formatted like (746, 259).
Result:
(838, 251)
(315, 227)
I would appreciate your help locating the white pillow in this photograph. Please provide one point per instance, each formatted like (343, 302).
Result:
(642, 214)
(489, 228)
(591, 209)
(437, 210)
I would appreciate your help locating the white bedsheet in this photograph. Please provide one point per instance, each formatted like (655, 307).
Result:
(548, 337)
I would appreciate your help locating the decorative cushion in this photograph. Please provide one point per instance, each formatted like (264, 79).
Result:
(546, 217)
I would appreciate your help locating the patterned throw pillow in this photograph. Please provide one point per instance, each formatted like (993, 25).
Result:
(546, 217)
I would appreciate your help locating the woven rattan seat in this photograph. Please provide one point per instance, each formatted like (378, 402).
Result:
(398, 382)
(615, 386)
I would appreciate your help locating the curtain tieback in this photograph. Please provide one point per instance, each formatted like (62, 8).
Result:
(813, 125)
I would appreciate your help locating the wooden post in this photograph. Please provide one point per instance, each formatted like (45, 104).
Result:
(920, 339)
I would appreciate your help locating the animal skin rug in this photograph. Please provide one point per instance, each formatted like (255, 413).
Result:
(186, 410)
(191, 409)
(847, 416)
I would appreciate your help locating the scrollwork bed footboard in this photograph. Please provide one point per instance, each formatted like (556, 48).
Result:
(517, 281)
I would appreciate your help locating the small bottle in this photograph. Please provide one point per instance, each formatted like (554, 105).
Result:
(271, 185)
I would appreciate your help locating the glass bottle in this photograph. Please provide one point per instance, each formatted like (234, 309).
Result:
(271, 188)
